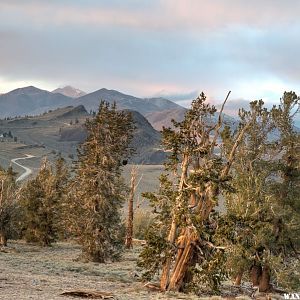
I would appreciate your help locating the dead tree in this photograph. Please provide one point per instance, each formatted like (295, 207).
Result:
(129, 230)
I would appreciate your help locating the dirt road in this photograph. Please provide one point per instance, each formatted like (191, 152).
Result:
(28, 171)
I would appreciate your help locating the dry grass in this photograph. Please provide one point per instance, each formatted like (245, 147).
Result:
(32, 272)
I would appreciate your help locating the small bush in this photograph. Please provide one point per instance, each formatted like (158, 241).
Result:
(141, 222)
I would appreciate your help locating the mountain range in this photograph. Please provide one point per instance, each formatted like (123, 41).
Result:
(33, 101)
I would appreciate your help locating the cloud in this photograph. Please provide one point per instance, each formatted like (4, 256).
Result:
(177, 96)
(154, 47)
(194, 15)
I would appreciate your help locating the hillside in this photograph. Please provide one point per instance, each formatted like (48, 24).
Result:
(160, 119)
(61, 130)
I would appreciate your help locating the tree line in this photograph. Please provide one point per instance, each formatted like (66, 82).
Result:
(191, 243)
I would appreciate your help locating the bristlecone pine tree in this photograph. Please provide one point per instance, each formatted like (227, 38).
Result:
(97, 192)
(261, 228)
(40, 203)
(8, 193)
(180, 241)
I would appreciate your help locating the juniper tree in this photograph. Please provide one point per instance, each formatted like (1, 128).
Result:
(97, 191)
(180, 240)
(261, 226)
(39, 202)
(8, 204)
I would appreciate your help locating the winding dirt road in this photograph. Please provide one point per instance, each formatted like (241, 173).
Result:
(27, 172)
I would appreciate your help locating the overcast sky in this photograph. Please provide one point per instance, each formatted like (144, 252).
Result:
(173, 48)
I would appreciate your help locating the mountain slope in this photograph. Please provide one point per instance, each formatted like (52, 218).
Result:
(61, 131)
(160, 119)
(146, 140)
(30, 101)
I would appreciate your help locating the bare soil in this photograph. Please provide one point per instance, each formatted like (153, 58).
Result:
(33, 272)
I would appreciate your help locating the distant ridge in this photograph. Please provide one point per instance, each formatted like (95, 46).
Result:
(123, 101)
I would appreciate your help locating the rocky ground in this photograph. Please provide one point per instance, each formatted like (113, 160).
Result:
(32, 272)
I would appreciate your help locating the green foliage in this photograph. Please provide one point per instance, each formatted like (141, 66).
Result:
(8, 204)
(261, 225)
(41, 200)
(208, 272)
(152, 256)
(97, 191)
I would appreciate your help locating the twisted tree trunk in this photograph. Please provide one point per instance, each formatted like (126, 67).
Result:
(164, 280)
(3, 238)
(255, 274)
(183, 259)
(264, 283)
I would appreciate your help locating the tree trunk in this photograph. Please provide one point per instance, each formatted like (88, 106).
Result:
(183, 260)
(255, 274)
(238, 278)
(164, 280)
(264, 283)
(129, 232)
(3, 239)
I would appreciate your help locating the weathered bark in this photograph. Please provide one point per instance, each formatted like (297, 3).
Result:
(255, 274)
(238, 278)
(3, 239)
(129, 232)
(164, 280)
(183, 261)
(264, 283)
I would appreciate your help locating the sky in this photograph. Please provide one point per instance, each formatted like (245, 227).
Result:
(169, 48)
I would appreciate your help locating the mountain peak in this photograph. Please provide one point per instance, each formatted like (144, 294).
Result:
(69, 91)
(29, 90)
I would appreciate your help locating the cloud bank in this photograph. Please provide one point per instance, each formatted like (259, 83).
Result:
(166, 47)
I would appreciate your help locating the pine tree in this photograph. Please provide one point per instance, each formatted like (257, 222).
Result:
(261, 226)
(245, 206)
(60, 186)
(97, 192)
(180, 241)
(8, 203)
(284, 250)
(39, 204)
